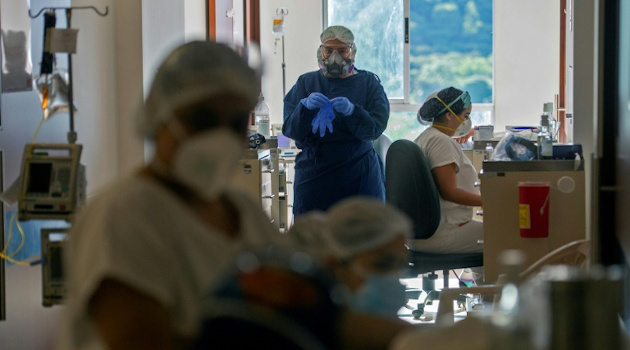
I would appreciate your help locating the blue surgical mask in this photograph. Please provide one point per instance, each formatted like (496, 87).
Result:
(381, 295)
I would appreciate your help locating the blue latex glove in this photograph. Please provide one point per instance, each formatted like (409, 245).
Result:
(314, 101)
(323, 120)
(342, 105)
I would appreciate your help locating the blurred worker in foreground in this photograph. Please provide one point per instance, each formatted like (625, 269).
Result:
(334, 115)
(287, 300)
(143, 253)
(363, 241)
(448, 113)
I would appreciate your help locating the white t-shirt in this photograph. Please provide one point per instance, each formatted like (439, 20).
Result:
(440, 150)
(140, 233)
(451, 236)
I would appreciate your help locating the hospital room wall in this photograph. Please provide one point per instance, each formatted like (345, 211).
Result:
(301, 40)
(526, 59)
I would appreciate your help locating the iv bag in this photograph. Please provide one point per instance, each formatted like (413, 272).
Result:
(278, 21)
(53, 92)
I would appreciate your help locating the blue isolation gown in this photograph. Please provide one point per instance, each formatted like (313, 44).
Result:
(342, 163)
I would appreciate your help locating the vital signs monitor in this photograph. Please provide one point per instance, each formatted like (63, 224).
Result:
(52, 184)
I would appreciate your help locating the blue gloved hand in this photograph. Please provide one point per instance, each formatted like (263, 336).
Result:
(328, 115)
(316, 122)
(342, 105)
(323, 120)
(314, 101)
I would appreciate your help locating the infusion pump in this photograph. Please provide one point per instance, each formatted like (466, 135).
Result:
(52, 181)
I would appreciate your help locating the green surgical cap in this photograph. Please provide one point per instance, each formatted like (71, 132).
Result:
(340, 33)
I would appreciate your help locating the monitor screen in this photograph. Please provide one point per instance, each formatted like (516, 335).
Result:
(39, 177)
(55, 262)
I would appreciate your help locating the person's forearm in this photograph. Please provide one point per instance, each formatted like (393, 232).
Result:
(463, 197)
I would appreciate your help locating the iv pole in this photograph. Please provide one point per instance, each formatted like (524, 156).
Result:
(279, 27)
(72, 135)
(284, 71)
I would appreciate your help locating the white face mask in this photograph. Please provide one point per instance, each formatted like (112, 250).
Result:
(463, 129)
(205, 162)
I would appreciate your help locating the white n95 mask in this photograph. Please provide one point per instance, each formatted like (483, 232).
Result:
(205, 162)
(463, 129)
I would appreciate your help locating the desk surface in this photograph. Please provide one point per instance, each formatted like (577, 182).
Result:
(499, 191)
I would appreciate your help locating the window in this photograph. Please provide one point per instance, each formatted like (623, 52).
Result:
(420, 46)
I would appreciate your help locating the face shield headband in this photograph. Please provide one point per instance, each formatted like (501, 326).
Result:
(465, 97)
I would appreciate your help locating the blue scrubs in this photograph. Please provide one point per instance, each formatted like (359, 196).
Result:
(342, 163)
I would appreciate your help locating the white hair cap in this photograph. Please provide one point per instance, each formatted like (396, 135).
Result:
(307, 233)
(426, 120)
(340, 33)
(192, 72)
(360, 224)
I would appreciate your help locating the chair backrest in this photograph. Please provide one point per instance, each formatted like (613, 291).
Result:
(576, 253)
(410, 187)
(381, 146)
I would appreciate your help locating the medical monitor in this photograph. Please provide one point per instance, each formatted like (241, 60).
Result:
(53, 272)
(52, 181)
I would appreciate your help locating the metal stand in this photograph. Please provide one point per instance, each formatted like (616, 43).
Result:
(72, 135)
(284, 69)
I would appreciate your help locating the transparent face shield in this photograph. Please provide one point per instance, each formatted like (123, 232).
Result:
(335, 62)
(465, 97)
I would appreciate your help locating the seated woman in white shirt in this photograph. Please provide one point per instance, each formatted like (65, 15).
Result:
(448, 113)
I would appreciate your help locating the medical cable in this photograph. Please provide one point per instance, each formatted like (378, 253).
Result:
(8, 257)
(3, 253)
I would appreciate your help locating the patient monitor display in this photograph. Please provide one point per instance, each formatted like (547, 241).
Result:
(51, 181)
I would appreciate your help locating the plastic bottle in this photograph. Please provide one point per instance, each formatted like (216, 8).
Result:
(510, 318)
(261, 116)
(489, 150)
(545, 143)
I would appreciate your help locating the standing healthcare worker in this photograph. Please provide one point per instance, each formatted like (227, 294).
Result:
(334, 114)
(143, 254)
(448, 113)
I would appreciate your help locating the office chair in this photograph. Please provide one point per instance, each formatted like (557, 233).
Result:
(409, 186)
(381, 146)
